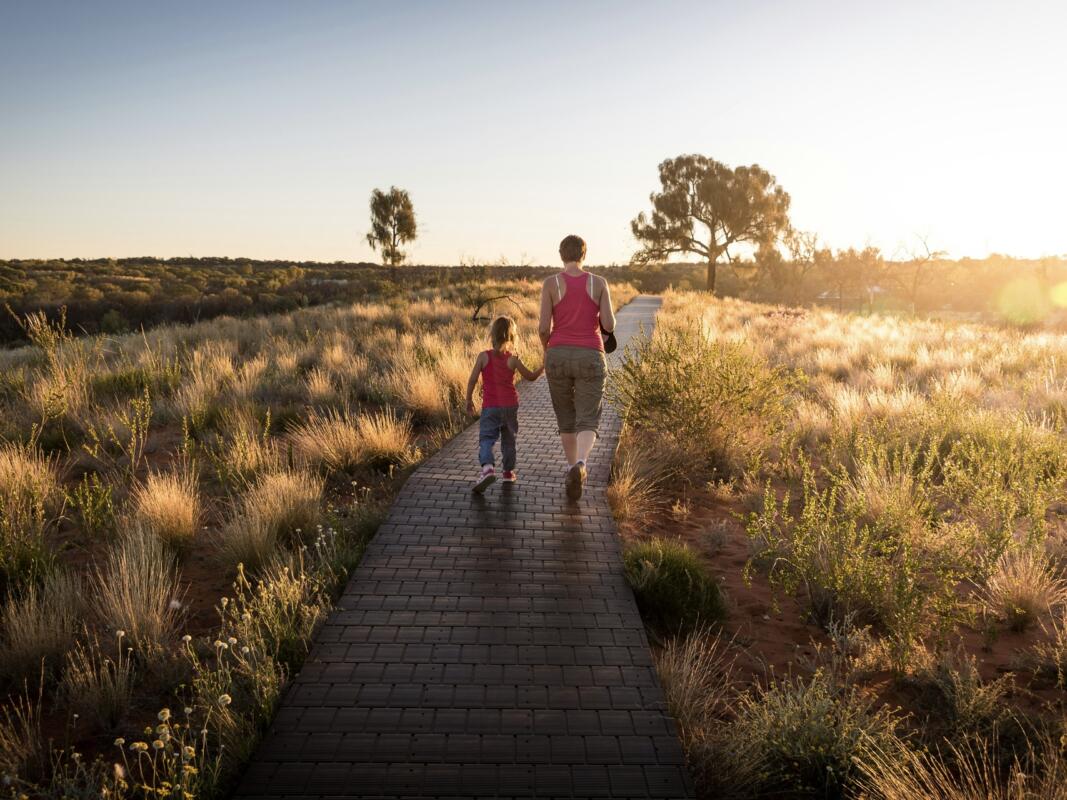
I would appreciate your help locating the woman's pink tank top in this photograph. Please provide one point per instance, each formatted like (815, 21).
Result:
(576, 318)
(498, 381)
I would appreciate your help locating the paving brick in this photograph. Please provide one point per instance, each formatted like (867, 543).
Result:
(486, 646)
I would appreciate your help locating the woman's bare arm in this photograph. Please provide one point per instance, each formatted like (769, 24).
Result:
(544, 325)
(607, 312)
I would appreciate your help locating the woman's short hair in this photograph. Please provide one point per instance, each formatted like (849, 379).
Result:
(502, 331)
(572, 248)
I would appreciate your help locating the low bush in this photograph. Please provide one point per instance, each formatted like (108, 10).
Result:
(807, 738)
(674, 589)
(960, 703)
(1050, 653)
(715, 400)
(905, 586)
(92, 503)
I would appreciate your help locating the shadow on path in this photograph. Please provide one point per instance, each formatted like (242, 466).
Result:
(485, 646)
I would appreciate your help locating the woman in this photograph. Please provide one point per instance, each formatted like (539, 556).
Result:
(575, 306)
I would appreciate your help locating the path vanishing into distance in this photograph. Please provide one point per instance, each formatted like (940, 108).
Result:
(486, 646)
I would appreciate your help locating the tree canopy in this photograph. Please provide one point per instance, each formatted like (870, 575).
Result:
(392, 219)
(705, 207)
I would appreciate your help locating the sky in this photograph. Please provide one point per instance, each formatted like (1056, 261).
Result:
(260, 128)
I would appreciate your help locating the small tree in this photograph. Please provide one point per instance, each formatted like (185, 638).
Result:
(781, 277)
(916, 269)
(853, 274)
(392, 219)
(705, 207)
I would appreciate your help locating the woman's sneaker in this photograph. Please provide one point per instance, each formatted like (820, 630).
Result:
(487, 477)
(576, 481)
(509, 476)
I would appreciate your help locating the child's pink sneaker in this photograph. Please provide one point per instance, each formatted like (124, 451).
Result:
(510, 476)
(487, 476)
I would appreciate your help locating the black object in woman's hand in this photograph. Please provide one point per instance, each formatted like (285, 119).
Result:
(609, 340)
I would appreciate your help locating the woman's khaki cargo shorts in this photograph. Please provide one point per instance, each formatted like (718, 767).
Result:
(576, 383)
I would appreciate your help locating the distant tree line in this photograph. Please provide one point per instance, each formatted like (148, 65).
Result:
(127, 294)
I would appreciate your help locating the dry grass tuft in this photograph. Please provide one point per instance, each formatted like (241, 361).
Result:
(1023, 589)
(640, 473)
(420, 390)
(39, 626)
(280, 506)
(29, 496)
(167, 505)
(137, 591)
(23, 748)
(697, 676)
(332, 440)
(967, 770)
(388, 439)
(97, 687)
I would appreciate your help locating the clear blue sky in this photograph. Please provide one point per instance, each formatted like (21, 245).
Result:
(260, 128)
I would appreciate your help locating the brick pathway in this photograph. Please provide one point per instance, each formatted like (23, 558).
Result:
(485, 646)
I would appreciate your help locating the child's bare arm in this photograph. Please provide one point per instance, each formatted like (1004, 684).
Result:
(515, 363)
(472, 381)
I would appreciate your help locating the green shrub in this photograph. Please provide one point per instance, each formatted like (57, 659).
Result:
(720, 402)
(804, 738)
(999, 473)
(92, 503)
(959, 702)
(899, 583)
(123, 383)
(674, 589)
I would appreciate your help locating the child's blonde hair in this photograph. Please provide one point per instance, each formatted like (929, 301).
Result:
(502, 332)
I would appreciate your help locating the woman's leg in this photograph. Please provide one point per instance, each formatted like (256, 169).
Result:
(583, 443)
(561, 388)
(588, 402)
(570, 447)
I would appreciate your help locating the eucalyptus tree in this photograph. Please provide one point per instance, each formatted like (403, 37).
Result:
(704, 208)
(392, 220)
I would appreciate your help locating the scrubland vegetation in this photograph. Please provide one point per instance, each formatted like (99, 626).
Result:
(114, 296)
(178, 510)
(878, 505)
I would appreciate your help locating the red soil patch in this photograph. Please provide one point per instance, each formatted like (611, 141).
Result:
(774, 635)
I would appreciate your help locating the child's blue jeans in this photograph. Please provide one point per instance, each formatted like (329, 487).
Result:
(498, 422)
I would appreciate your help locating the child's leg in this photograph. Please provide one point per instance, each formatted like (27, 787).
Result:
(508, 430)
(488, 431)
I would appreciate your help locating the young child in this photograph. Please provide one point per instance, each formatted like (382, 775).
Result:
(500, 401)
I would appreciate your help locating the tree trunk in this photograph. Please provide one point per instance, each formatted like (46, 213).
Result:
(711, 276)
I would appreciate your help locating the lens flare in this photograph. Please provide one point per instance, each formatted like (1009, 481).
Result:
(1024, 301)
(1059, 295)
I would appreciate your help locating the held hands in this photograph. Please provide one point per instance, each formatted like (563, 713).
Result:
(539, 372)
